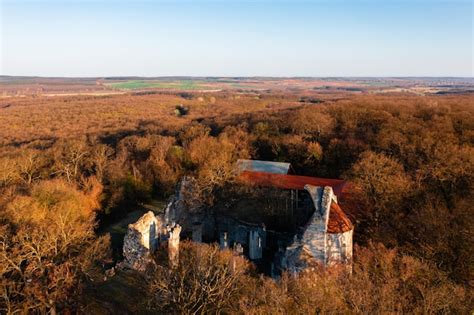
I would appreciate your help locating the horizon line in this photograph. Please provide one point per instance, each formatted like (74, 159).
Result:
(236, 76)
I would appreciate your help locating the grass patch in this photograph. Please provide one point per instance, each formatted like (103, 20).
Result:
(124, 293)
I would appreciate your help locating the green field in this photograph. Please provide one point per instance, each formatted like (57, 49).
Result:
(177, 85)
(168, 85)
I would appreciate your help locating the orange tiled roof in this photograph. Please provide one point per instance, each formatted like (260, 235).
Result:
(338, 220)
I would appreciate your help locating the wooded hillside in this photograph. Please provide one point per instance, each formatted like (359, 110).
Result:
(71, 165)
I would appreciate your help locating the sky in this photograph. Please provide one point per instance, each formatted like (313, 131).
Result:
(285, 38)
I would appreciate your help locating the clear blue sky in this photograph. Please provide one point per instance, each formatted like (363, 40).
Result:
(237, 38)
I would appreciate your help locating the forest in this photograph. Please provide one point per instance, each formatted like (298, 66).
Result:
(72, 165)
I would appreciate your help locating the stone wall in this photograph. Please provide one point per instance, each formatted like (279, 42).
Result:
(310, 248)
(141, 240)
(182, 205)
(339, 248)
(188, 213)
(232, 232)
(255, 245)
(173, 244)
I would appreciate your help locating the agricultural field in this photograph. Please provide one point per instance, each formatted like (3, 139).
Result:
(30, 86)
(166, 85)
(192, 85)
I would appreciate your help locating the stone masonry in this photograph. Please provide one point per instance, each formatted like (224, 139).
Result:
(311, 248)
(141, 240)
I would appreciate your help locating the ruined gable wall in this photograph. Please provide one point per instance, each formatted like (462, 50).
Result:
(141, 240)
(183, 210)
(311, 248)
(315, 237)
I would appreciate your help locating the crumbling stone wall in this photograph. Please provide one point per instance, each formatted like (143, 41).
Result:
(173, 244)
(339, 248)
(141, 240)
(311, 248)
(182, 209)
(232, 232)
(181, 204)
(255, 244)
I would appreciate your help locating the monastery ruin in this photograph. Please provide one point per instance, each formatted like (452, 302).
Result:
(278, 220)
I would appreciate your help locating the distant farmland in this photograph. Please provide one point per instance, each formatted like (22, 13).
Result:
(167, 85)
(11, 86)
(179, 85)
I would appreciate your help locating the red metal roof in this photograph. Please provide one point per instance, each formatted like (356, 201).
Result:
(291, 181)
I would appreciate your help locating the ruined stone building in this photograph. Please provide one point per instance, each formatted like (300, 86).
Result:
(143, 238)
(324, 232)
(279, 221)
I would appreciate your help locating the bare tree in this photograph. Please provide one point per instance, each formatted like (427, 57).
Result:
(202, 282)
(48, 249)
